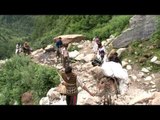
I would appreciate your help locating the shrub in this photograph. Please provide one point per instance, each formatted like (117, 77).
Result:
(20, 74)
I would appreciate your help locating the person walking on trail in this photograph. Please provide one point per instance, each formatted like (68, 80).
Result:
(96, 41)
(71, 81)
(65, 55)
(101, 52)
(59, 44)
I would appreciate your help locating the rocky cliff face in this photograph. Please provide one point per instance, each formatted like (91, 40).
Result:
(141, 27)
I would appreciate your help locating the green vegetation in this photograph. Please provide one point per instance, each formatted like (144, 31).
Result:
(47, 27)
(20, 74)
(39, 31)
(141, 52)
(73, 47)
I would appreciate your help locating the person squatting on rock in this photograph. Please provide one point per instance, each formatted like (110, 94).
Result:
(71, 81)
(26, 48)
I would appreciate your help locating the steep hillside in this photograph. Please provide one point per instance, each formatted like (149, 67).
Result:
(22, 25)
(140, 58)
(90, 26)
(13, 29)
(39, 31)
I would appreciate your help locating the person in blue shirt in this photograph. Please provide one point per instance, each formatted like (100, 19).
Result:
(59, 44)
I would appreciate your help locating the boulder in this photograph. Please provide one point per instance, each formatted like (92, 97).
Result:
(120, 51)
(154, 59)
(89, 57)
(71, 38)
(80, 57)
(44, 101)
(73, 54)
(27, 98)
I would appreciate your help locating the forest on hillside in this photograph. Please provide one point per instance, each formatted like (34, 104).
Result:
(39, 30)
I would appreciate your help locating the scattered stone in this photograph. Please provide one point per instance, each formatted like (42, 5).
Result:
(153, 86)
(133, 77)
(124, 63)
(128, 67)
(153, 76)
(141, 74)
(157, 62)
(140, 98)
(129, 61)
(153, 90)
(154, 59)
(120, 51)
(148, 78)
(145, 70)
(153, 83)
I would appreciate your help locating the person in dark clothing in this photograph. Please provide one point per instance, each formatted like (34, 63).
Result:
(26, 48)
(113, 56)
(59, 44)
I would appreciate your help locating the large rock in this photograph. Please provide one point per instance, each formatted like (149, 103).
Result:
(44, 101)
(80, 57)
(37, 52)
(120, 51)
(52, 94)
(2, 61)
(89, 57)
(141, 28)
(71, 38)
(87, 66)
(97, 72)
(141, 98)
(27, 98)
(73, 54)
(156, 99)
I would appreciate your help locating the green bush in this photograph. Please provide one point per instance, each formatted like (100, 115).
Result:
(20, 75)
(73, 47)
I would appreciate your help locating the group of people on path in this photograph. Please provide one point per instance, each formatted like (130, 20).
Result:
(101, 53)
(111, 66)
(25, 48)
(62, 52)
(70, 79)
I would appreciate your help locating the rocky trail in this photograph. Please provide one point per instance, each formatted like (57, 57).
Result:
(142, 89)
